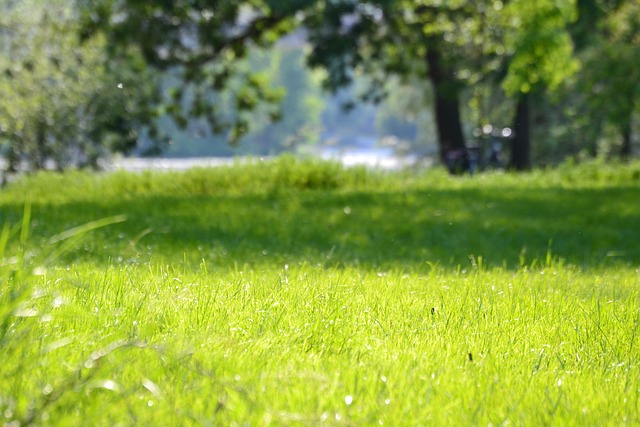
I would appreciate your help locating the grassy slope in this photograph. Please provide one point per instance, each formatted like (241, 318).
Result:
(302, 293)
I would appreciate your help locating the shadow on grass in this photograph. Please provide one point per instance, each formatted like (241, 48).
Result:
(410, 230)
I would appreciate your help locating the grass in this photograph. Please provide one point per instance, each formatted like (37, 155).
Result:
(301, 293)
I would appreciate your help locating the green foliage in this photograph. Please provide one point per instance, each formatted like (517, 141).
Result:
(467, 50)
(204, 44)
(270, 129)
(230, 298)
(594, 114)
(539, 44)
(297, 120)
(405, 115)
(62, 101)
(68, 108)
(609, 81)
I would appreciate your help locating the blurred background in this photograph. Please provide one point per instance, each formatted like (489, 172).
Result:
(473, 85)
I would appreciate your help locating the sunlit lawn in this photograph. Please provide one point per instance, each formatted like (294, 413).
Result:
(305, 294)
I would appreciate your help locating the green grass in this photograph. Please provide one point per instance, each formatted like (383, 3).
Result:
(301, 293)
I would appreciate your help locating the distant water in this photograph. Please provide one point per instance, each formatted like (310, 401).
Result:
(383, 158)
(367, 158)
(136, 164)
(375, 158)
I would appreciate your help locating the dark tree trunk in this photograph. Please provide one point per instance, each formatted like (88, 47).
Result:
(625, 151)
(521, 143)
(453, 151)
(13, 158)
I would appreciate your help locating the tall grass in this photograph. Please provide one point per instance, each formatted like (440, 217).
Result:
(25, 307)
(374, 299)
(287, 174)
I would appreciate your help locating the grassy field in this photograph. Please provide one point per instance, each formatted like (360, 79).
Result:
(302, 293)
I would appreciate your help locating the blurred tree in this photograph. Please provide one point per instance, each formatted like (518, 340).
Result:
(61, 102)
(203, 44)
(610, 81)
(283, 70)
(300, 107)
(406, 114)
(417, 40)
(450, 46)
(377, 38)
(592, 114)
(455, 45)
(540, 56)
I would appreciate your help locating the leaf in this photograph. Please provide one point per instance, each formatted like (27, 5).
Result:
(152, 387)
(104, 384)
(85, 228)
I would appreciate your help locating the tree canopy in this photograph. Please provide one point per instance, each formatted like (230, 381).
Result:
(62, 101)
(472, 61)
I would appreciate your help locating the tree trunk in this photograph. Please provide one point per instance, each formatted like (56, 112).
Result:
(13, 158)
(521, 143)
(625, 151)
(453, 151)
